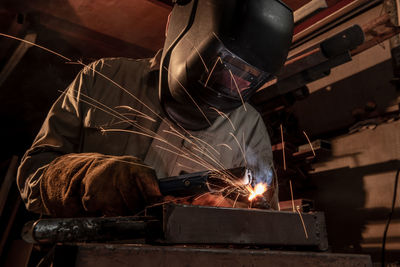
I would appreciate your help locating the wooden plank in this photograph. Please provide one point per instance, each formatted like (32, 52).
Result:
(308, 9)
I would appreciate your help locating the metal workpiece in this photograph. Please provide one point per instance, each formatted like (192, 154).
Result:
(260, 203)
(100, 255)
(184, 224)
(89, 229)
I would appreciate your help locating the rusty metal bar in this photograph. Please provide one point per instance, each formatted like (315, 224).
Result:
(372, 24)
(376, 40)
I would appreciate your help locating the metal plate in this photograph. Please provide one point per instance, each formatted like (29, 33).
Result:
(184, 224)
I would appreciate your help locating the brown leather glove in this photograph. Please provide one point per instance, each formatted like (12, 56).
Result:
(92, 184)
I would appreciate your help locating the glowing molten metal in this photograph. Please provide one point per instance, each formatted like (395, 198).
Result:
(258, 190)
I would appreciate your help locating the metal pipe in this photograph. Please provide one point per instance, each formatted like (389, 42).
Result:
(88, 229)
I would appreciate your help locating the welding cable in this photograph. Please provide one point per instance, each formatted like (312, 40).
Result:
(396, 182)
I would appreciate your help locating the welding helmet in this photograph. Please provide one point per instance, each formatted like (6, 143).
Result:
(217, 53)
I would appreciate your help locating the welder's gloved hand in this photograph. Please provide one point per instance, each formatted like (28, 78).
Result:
(92, 184)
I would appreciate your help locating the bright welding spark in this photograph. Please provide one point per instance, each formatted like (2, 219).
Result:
(291, 193)
(90, 68)
(116, 114)
(240, 147)
(139, 113)
(311, 146)
(222, 114)
(237, 88)
(302, 222)
(198, 53)
(283, 149)
(212, 70)
(225, 145)
(258, 190)
(34, 44)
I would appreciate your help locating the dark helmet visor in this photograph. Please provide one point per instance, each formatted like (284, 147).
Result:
(231, 76)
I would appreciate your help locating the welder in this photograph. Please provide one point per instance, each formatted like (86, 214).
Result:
(123, 123)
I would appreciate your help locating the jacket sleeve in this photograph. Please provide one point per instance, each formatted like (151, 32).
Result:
(260, 159)
(60, 134)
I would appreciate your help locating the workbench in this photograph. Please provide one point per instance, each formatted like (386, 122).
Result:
(185, 235)
(121, 255)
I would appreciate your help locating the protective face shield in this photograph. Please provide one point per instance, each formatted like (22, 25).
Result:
(217, 53)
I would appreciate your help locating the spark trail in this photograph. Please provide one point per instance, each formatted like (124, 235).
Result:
(238, 90)
(240, 147)
(107, 78)
(124, 118)
(222, 114)
(309, 142)
(283, 149)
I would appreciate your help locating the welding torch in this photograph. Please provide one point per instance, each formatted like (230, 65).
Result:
(211, 181)
(230, 182)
